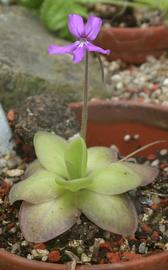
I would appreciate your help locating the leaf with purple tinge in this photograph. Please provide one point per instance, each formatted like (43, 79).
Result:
(115, 214)
(32, 168)
(38, 188)
(114, 179)
(42, 222)
(99, 157)
(147, 173)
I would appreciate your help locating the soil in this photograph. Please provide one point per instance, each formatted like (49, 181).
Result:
(46, 111)
(124, 16)
(85, 242)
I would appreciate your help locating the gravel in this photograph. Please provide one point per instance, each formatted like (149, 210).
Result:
(145, 83)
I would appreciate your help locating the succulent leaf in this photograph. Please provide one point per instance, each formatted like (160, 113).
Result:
(99, 157)
(146, 173)
(76, 158)
(50, 150)
(38, 188)
(74, 185)
(42, 222)
(112, 213)
(32, 168)
(114, 179)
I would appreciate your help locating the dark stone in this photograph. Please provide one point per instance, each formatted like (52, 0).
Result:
(46, 112)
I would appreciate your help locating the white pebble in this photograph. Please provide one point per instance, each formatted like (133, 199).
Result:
(15, 172)
(163, 152)
(142, 248)
(155, 163)
(85, 258)
(127, 138)
(136, 136)
(29, 257)
(165, 82)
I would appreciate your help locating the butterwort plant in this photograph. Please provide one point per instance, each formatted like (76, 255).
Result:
(67, 179)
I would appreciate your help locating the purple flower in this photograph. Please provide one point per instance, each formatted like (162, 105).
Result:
(85, 33)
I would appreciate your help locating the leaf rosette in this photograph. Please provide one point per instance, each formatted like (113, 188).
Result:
(68, 179)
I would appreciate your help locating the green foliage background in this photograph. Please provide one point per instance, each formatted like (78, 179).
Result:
(54, 13)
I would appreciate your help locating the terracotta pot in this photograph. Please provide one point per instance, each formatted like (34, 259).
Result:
(134, 45)
(108, 123)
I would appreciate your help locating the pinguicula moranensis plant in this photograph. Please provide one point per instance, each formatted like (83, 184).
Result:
(68, 179)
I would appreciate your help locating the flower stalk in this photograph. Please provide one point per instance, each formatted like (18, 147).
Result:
(85, 100)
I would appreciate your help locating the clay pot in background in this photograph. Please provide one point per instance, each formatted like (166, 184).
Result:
(134, 45)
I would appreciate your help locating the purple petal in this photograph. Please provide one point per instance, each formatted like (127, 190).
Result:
(78, 54)
(54, 49)
(92, 48)
(92, 27)
(76, 25)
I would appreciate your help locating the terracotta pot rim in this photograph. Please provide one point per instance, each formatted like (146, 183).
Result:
(136, 29)
(21, 260)
(121, 102)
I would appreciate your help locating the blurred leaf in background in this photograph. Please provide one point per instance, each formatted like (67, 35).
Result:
(54, 13)
(30, 3)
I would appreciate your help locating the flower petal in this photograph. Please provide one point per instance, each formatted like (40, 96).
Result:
(78, 54)
(99, 157)
(42, 222)
(92, 48)
(76, 25)
(114, 179)
(92, 27)
(116, 214)
(38, 188)
(146, 172)
(54, 49)
(76, 158)
(50, 150)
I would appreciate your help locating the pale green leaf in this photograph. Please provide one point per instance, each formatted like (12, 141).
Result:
(112, 213)
(99, 157)
(50, 150)
(38, 188)
(76, 158)
(75, 185)
(42, 222)
(114, 179)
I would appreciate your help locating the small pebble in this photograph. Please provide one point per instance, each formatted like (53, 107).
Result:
(85, 258)
(155, 163)
(14, 172)
(54, 256)
(163, 152)
(127, 138)
(136, 137)
(142, 248)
